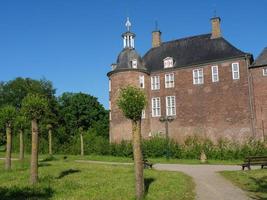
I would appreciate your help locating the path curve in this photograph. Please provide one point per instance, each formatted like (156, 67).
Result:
(209, 184)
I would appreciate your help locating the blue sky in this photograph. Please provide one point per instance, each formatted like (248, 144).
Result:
(73, 42)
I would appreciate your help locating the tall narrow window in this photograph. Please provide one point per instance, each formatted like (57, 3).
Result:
(215, 73)
(142, 81)
(170, 106)
(134, 63)
(109, 85)
(156, 107)
(169, 80)
(198, 76)
(168, 62)
(235, 70)
(264, 71)
(143, 114)
(155, 83)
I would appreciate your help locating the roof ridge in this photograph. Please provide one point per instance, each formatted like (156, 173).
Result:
(187, 38)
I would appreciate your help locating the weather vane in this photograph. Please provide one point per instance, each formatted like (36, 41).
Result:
(128, 24)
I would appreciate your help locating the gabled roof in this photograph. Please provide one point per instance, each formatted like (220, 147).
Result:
(190, 51)
(261, 60)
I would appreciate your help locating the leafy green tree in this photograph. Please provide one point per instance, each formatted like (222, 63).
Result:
(34, 107)
(132, 101)
(7, 117)
(21, 123)
(80, 112)
(14, 91)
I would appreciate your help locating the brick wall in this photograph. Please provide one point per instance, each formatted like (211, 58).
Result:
(259, 83)
(213, 110)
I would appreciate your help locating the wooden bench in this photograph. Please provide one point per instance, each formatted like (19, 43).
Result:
(254, 160)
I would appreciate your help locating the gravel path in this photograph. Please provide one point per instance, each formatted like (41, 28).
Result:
(209, 184)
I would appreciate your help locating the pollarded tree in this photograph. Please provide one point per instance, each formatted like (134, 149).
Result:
(7, 117)
(132, 101)
(21, 124)
(49, 128)
(34, 107)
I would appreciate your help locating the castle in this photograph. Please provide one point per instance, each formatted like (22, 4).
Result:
(200, 85)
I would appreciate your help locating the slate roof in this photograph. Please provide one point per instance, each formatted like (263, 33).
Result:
(262, 59)
(126, 56)
(190, 51)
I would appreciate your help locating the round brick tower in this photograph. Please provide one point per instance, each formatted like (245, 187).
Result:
(128, 70)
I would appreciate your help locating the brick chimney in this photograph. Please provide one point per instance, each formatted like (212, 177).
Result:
(156, 38)
(215, 27)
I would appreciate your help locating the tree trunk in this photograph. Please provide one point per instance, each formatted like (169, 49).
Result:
(50, 141)
(138, 160)
(34, 157)
(21, 145)
(8, 148)
(82, 150)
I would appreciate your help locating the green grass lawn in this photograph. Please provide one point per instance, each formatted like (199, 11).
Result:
(126, 159)
(66, 179)
(253, 181)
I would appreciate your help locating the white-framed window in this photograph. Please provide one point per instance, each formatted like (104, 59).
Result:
(170, 106)
(198, 76)
(168, 62)
(134, 63)
(264, 71)
(113, 66)
(109, 115)
(109, 85)
(215, 73)
(235, 71)
(155, 83)
(142, 81)
(156, 112)
(143, 114)
(169, 80)
(109, 105)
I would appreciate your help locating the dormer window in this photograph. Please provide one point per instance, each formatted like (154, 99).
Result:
(134, 63)
(113, 66)
(168, 62)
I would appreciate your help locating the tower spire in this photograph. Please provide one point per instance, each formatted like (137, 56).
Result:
(128, 36)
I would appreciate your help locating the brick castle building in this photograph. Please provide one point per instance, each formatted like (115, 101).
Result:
(203, 84)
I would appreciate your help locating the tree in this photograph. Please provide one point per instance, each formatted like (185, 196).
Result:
(49, 128)
(80, 112)
(21, 124)
(7, 117)
(132, 101)
(34, 107)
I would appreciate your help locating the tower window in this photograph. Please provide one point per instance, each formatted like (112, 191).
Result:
(235, 71)
(156, 107)
(169, 80)
(264, 71)
(168, 62)
(215, 73)
(155, 83)
(142, 81)
(170, 106)
(198, 77)
(134, 63)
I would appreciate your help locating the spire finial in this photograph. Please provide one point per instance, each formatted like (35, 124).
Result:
(156, 26)
(128, 24)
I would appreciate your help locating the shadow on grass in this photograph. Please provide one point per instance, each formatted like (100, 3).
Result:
(260, 186)
(67, 172)
(44, 164)
(16, 193)
(147, 183)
